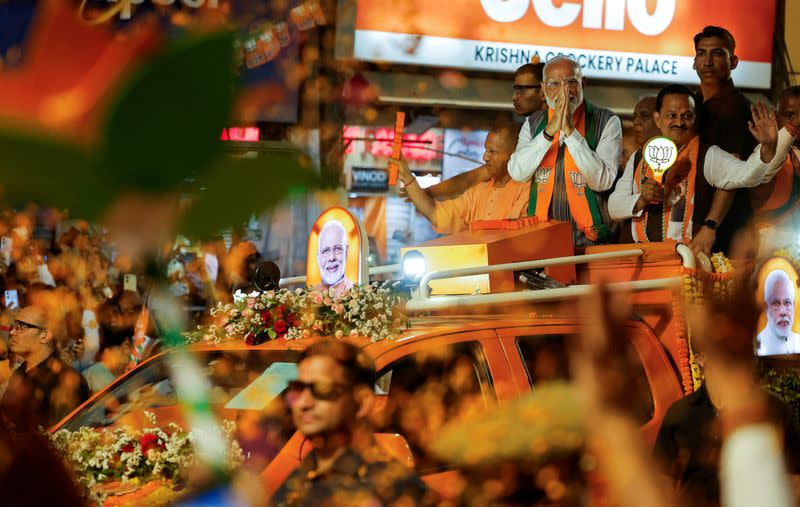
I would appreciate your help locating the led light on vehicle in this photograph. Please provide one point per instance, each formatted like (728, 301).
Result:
(414, 265)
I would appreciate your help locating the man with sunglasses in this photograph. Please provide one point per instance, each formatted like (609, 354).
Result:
(329, 401)
(43, 389)
(675, 210)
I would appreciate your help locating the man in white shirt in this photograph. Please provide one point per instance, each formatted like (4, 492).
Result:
(776, 203)
(668, 211)
(569, 152)
(777, 337)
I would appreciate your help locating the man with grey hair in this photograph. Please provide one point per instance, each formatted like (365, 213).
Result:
(332, 249)
(777, 337)
(570, 152)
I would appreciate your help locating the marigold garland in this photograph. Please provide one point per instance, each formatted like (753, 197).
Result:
(694, 283)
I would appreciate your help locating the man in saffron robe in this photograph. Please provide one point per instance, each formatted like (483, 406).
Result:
(499, 198)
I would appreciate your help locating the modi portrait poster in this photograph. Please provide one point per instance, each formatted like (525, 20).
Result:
(337, 252)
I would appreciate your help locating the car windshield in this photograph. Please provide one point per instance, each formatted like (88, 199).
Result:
(246, 386)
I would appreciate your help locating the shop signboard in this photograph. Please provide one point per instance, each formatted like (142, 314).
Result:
(369, 179)
(633, 40)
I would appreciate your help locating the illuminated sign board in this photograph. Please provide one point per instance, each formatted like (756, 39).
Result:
(369, 179)
(635, 40)
(250, 134)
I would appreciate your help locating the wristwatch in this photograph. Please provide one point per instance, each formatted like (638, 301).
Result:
(711, 225)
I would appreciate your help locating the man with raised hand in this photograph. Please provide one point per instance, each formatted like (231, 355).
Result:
(527, 98)
(674, 210)
(497, 199)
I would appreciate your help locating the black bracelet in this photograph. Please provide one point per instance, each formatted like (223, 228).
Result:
(547, 136)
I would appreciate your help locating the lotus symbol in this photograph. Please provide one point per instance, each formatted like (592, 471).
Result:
(659, 155)
(542, 175)
(577, 181)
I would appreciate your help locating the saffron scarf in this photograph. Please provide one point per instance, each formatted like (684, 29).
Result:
(581, 199)
(642, 171)
(774, 200)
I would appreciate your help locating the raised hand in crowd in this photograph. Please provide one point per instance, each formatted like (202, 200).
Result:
(764, 128)
(601, 362)
(752, 470)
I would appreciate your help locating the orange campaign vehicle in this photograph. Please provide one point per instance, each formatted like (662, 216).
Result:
(480, 314)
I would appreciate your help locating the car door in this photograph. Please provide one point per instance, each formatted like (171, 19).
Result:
(430, 382)
(538, 353)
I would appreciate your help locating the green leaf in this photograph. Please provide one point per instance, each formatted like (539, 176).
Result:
(272, 333)
(166, 122)
(52, 172)
(234, 189)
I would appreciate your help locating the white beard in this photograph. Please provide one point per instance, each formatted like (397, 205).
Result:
(777, 330)
(574, 102)
(331, 279)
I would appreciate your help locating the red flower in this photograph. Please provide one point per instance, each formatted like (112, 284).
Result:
(149, 441)
(280, 326)
(249, 338)
(127, 448)
(293, 320)
(280, 310)
(266, 317)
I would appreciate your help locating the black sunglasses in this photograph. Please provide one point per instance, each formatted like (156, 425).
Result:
(19, 325)
(320, 390)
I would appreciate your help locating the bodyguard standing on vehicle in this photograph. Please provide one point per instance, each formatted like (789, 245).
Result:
(330, 399)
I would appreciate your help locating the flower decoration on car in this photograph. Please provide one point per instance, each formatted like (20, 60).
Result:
(369, 310)
(129, 464)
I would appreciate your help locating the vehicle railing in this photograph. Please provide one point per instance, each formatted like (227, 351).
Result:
(536, 296)
(422, 300)
(425, 290)
(374, 270)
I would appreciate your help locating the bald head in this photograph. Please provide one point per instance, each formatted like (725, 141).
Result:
(30, 337)
(33, 315)
(500, 145)
(644, 127)
(507, 135)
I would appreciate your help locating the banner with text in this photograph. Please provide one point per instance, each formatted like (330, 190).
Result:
(634, 40)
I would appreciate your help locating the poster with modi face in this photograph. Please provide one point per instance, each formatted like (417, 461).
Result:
(337, 252)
